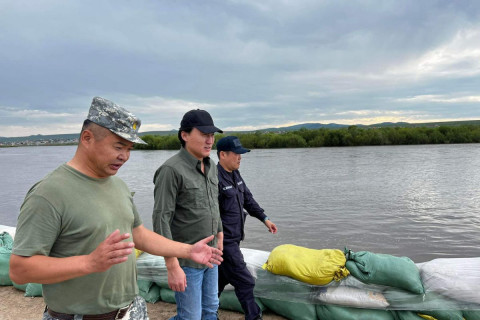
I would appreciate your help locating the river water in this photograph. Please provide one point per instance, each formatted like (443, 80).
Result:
(417, 201)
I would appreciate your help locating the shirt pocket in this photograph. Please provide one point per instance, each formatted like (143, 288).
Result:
(194, 195)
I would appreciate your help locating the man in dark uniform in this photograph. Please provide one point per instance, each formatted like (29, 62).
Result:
(234, 197)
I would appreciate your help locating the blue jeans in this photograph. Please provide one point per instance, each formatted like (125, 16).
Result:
(199, 301)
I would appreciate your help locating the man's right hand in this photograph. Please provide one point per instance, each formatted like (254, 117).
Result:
(177, 280)
(113, 250)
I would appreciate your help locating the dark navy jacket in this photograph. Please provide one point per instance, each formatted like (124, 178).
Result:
(233, 198)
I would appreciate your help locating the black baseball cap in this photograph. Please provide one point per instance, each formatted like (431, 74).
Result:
(231, 143)
(199, 119)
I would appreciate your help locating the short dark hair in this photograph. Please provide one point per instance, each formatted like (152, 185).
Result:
(187, 130)
(99, 132)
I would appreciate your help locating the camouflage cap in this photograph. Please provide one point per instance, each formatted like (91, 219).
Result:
(118, 120)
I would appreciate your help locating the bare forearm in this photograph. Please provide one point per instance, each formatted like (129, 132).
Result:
(45, 270)
(153, 243)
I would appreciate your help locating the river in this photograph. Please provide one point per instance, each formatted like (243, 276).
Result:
(415, 201)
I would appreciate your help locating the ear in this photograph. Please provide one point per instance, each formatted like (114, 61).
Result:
(86, 137)
(185, 135)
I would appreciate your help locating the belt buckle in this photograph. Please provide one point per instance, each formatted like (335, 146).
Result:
(120, 310)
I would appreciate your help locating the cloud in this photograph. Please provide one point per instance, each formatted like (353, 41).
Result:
(251, 64)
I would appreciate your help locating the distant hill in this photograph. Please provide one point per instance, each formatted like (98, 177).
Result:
(73, 136)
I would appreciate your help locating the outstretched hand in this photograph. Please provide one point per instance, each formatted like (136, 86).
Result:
(113, 250)
(204, 254)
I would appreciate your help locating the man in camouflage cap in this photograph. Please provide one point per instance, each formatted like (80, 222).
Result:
(107, 114)
(78, 227)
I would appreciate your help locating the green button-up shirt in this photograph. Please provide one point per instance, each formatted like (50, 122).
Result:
(186, 201)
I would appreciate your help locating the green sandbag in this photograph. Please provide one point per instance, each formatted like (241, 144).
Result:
(33, 290)
(229, 301)
(167, 295)
(30, 289)
(384, 269)
(6, 243)
(331, 312)
(471, 314)
(291, 310)
(22, 287)
(144, 285)
(404, 300)
(148, 290)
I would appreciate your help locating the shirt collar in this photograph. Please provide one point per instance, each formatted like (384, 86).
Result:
(194, 162)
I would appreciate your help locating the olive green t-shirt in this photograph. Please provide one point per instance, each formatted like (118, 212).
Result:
(69, 214)
(186, 201)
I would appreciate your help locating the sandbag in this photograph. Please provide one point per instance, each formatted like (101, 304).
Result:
(229, 301)
(352, 297)
(404, 300)
(10, 230)
(167, 295)
(456, 278)
(148, 290)
(384, 269)
(21, 287)
(6, 244)
(33, 290)
(291, 310)
(152, 268)
(254, 259)
(317, 267)
(30, 289)
(471, 314)
(331, 312)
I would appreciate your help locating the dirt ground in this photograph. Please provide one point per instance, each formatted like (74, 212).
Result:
(14, 306)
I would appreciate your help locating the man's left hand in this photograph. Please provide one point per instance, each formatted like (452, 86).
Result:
(271, 226)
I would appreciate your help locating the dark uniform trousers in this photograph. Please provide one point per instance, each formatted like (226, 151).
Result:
(234, 270)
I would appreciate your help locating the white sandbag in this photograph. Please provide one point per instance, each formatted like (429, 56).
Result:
(352, 297)
(254, 260)
(9, 230)
(456, 278)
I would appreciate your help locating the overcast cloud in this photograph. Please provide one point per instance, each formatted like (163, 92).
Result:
(251, 64)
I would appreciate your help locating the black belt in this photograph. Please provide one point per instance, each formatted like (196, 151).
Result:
(116, 314)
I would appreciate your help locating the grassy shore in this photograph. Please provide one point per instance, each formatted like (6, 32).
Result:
(14, 306)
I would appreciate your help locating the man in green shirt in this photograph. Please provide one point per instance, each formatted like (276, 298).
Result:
(78, 227)
(186, 210)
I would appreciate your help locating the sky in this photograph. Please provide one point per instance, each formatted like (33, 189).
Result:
(251, 64)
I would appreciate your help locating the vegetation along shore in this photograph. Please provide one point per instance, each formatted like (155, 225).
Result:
(302, 136)
(342, 137)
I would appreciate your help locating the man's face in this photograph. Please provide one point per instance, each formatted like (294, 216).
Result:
(230, 160)
(107, 155)
(197, 143)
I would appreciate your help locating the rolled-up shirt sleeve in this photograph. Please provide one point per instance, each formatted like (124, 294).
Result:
(165, 197)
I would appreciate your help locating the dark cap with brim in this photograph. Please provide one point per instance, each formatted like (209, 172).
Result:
(118, 120)
(199, 119)
(231, 143)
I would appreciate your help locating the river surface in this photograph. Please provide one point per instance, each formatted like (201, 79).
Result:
(417, 201)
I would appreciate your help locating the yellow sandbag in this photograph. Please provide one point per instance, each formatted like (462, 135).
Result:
(312, 266)
(138, 253)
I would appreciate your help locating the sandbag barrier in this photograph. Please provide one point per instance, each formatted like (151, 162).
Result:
(451, 288)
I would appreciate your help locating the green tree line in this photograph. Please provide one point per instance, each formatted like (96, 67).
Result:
(343, 137)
